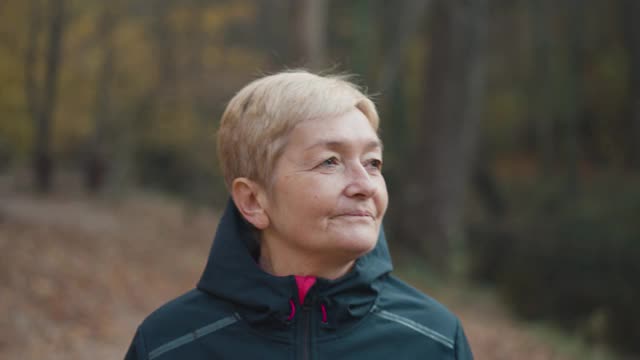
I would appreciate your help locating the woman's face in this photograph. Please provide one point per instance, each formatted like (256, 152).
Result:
(328, 195)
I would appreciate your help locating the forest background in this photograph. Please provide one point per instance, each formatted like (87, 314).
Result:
(511, 131)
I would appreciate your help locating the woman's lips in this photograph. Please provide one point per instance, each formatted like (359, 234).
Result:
(356, 214)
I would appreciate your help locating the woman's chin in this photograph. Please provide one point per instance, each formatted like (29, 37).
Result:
(357, 243)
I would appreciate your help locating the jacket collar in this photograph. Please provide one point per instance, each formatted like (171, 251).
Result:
(232, 273)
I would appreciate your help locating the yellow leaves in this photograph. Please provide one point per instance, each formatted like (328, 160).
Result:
(213, 55)
(72, 122)
(80, 33)
(15, 124)
(13, 26)
(213, 20)
(217, 16)
(173, 128)
(134, 64)
(11, 77)
(241, 10)
(201, 54)
(180, 18)
(237, 57)
(16, 131)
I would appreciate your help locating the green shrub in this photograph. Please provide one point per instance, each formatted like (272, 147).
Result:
(571, 257)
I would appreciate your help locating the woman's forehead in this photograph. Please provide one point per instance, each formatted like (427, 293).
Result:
(339, 132)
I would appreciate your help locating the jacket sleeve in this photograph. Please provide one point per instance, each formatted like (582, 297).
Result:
(137, 349)
(462, 348)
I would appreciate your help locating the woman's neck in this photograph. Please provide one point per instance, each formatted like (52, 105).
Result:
(281, 261)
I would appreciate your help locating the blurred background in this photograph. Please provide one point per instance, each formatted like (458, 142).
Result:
(512, 158)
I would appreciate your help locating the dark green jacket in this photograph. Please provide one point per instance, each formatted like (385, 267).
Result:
(238, 311)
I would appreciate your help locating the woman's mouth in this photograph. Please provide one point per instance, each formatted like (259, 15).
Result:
(356, 214)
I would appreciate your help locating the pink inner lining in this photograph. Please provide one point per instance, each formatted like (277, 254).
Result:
(292, 312)
(304, 284)
(324, 313)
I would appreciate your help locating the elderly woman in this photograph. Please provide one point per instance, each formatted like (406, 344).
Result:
(299, 267)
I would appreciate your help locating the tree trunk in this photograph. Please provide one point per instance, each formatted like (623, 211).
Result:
(271, 32)
(43, 104)
(540, 108)
(198, 188)
(308, 30)
(631, 9)
(32, 91)
(363, 43)
(453, 104)
(167, 89)
(576, 108)
(412, 14)
(96, 164)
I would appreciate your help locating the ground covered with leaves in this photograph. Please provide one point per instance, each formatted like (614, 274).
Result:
(78, 274)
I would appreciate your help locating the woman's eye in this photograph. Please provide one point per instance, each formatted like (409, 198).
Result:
(330, 162)
(376, 164)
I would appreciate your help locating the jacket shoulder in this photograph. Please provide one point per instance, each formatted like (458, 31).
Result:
(190, 314)
(405, 305)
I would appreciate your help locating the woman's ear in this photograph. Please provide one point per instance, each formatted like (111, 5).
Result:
(249, 199)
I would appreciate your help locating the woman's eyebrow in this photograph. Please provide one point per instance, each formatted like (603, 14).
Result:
(342, 144)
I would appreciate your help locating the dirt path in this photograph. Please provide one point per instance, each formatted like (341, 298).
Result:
(78, 275)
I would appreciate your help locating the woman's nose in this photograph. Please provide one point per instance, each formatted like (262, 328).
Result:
(360, 183)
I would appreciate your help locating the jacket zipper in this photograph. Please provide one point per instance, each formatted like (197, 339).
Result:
(306, 331)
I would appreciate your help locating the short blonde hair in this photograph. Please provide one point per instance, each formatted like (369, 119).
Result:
(257, 121)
